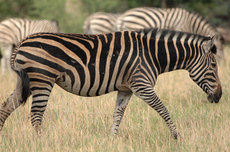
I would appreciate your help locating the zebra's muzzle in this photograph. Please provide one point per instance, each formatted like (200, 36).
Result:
(214, 97)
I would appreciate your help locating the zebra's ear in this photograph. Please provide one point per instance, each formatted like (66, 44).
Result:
(209, 44)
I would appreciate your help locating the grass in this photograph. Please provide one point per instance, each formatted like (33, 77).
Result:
(73, 123)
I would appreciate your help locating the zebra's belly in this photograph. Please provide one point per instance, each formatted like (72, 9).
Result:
(89, 92)
(89, 85)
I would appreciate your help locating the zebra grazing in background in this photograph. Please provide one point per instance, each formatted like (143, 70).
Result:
(173, 18)
(100, 23)
(14, 30)
(92, 65)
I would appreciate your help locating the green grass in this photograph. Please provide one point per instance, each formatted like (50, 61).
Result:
(73, 123)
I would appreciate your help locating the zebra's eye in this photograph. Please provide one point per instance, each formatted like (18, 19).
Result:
(213, 65)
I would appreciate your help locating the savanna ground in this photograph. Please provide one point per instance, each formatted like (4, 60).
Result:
(73, 123)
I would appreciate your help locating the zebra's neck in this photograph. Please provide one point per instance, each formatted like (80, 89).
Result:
(174, 50)
(199, 25)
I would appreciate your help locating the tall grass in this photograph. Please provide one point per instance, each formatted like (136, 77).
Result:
(73, 123)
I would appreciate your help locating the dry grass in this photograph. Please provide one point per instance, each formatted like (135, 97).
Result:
(73, 123)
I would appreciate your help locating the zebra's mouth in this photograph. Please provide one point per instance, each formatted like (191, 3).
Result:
(211, 97)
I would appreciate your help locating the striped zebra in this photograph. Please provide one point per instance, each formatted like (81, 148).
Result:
(173, 19)
(92, 65)
(14, 30)
(100, 23)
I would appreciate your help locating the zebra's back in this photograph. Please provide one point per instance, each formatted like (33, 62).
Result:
(141, 17)
(100, 23)
(14, 30)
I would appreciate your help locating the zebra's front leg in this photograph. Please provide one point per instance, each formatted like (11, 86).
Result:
(146, 93)
(121, 103)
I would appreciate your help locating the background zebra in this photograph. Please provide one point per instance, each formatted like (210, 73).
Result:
(173, 18)
(100, 23)
(92, 65)
(13, 30)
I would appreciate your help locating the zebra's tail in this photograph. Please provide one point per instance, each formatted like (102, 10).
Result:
(23, 81)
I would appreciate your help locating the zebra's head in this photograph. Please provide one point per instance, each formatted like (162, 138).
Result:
(205, 72)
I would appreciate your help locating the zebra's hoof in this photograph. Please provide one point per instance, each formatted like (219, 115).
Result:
(177, 136)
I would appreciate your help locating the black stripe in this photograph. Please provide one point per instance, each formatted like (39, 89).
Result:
(148, 14)
(39, 101)
(8, 35)
(134, 54)
(190, 62)
(108, 21)
(42, 81)
(137, 23)
(39, 88)
(177, 17)
(162, 55)
(187, 49)
(181, 51)
(20, 61)
(42, 71)
(134, 68)
(36, 111)
(56, 52)
(114, 57)
(194, 23)
(38, 95)
(92, 64)
(103, 58)
(18, 28)
(173, 55)
(125, 56)
(73, 47)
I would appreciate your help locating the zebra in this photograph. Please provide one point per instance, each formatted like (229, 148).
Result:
(100, 23)
(92, 65)
(171, 18)
(14, 30)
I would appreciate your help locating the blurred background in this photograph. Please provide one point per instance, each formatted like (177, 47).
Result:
(72, 13)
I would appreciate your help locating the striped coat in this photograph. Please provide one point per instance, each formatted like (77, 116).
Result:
(172, 18)
(14, 30)
(92, 65)
(100, 23)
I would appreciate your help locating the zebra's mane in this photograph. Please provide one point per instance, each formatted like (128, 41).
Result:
(163, 34)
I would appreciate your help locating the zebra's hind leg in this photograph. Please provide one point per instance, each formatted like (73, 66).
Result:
(121, 103)
(145, 92)
(40, 95)
(8, 107)
(11, 103)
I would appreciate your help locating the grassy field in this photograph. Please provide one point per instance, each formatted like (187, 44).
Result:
(73, 123)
